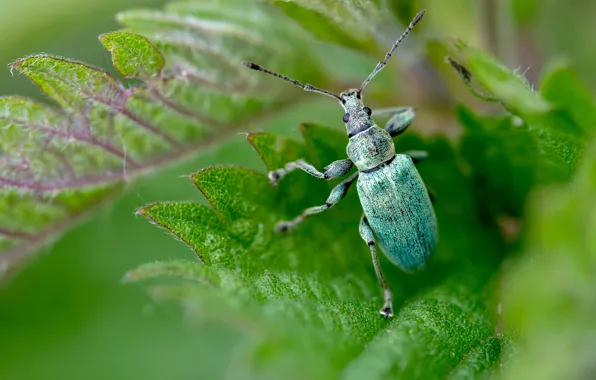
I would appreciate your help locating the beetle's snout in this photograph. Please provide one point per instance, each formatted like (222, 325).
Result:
(348, 95)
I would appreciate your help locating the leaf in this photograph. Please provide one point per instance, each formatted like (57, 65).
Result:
(335, 22)
(562, 88)
(549, 294)
(133, 55)
(509, 158)
(564, 122)
(474, 364)
(512, 89)
(57, 163)
(314, 289)
(404, 10)
(305, 304)
(539, 144)
(553, 125)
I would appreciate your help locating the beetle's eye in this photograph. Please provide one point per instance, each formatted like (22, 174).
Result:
(346, 117)
(367, 110)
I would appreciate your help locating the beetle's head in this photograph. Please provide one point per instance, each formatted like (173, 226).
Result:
(357, 117)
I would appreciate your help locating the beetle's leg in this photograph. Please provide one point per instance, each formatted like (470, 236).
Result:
(366, 233)
(401, 119)
(335, 169)
(338, 168)
(336, 195)
(416, 155)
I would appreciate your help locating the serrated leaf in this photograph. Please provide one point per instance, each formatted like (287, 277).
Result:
(306, 303)
(134, 56)
(191, 90)
(554, 125)
(539, 144)
(315, 287)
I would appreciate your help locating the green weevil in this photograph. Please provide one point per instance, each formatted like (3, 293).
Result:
(397, 206)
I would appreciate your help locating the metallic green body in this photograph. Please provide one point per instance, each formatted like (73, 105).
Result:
(370, 148)
(397, 207)
(393, 196)
(399, 211)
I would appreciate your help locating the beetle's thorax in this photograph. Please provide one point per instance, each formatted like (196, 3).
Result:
(359, 119)
(371, 148)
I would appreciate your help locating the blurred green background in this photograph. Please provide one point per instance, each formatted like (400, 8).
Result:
(68, 316)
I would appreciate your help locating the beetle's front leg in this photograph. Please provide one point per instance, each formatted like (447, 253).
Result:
(366, 233)
(337, 194)
(335, 169)
(401, 119)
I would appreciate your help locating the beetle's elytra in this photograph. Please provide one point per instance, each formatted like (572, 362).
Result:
(397, 206)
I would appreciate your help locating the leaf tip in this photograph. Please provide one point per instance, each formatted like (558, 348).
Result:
(20, 63)
(145, 211)
(133, 55)
(194, 177)
(129, 277)
(102, 36)
(250, 137)
(461, 70)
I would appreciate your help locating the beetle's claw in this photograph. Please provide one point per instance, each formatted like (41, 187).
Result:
(282, 227)
(274, 177)
(387, 311)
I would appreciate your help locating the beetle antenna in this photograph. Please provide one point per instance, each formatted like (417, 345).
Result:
(305, 87)
(382, 64)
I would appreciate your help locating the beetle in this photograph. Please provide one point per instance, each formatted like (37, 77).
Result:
(397, 206)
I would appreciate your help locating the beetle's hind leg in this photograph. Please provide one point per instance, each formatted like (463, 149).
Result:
(335, 169)
(366, 233)
(401, 119)
(337, 194)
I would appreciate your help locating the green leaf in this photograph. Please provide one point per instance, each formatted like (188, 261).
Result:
(314, 289)
(191, 89)
(509, 87)
(474, 364)
(404, 10)
(562, 88)
(335, 21)
(509, 158)
(539, 144)
(549, 294)
(134, 56)
(305, 304)
(562, 121)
